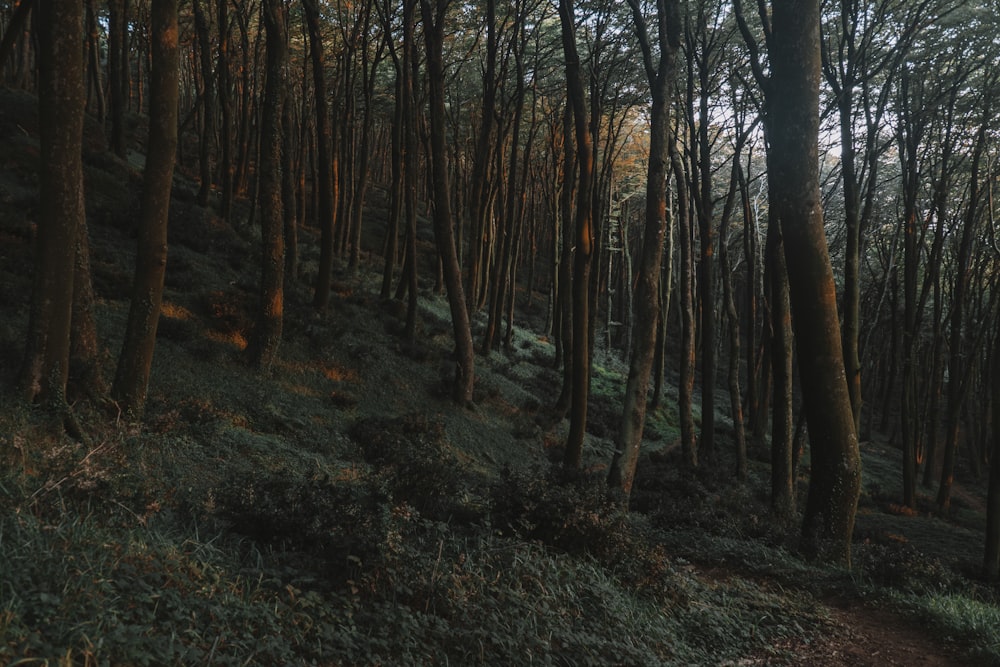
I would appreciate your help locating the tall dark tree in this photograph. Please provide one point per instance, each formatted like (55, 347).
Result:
(202, 26)
(136, 358)
(792, 33)
(434, 13)
(61, 101)
(266, 336)
(584, 240)
(118, 73)
(326, 185)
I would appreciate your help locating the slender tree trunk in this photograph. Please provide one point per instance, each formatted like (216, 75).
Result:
(202, 30)
(266, 336)
(15, 28)
(136, 358)
(289, 200)
(959, 369)
(991, 560)
(685, 402)
(326, 184)
(584, 243)
(647, 299)
(226, 108)
(118, 72)
(732, 320)
(434, 17)
(566, 263)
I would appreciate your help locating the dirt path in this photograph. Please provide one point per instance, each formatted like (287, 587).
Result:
(866, 637)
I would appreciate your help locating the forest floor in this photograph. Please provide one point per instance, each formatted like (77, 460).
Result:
(342, 511)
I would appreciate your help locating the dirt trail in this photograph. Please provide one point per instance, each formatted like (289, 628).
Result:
(874, 637)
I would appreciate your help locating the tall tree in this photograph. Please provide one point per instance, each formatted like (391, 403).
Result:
(991, 558)
(434, 13)
(327, 185)
(584, 241)
(61, 100)
(660, 71)
(224, 69)
(136, 358)
(207, 94)
(266, 336)
(792, 35)
(118, 72)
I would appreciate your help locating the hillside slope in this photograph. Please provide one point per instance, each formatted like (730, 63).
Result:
(342, 511)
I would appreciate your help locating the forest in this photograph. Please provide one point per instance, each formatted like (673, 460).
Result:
(563, 332)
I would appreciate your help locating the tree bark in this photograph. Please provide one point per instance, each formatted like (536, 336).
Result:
(991, 559)
(584, 243)
(136, 358)
(226, 165)
(464, 380)
(326, 184)
(61, 214)
(793, 178)
(202, 30)
(647, 298)
(266, 336)
(118, 72)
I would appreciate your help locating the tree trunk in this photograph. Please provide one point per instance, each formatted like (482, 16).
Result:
(202, 30)
(326, 184)
(118, 72)
(647, 298)
(136, 358)
(793, 178)
(444, 236)
(564, 298)
(61, 214)
(780, 340)
(584, 243)
(991, 560)
(226, 108)
(266, 336)
(732, 319)
(15, 28)
(685, 401)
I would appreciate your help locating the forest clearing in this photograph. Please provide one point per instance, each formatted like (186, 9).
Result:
(314, 352)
